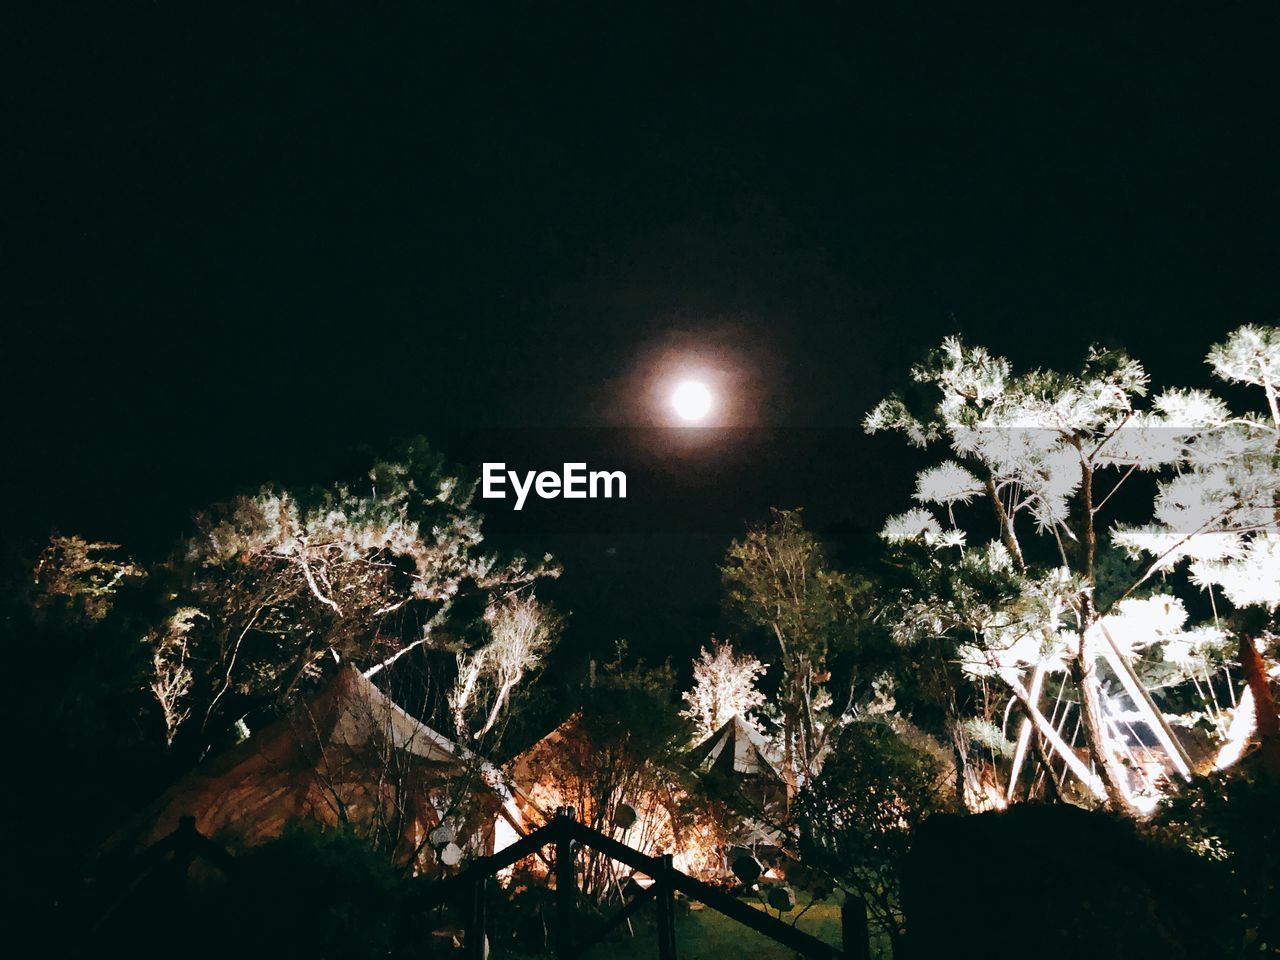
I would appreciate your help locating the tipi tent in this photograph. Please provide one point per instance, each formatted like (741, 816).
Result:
(736, 757)
(736, 749)
(569, 767)
(349, 754)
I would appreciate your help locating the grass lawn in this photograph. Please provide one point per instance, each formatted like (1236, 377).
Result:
(704, 934)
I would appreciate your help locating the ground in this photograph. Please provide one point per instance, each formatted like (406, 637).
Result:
(704, 934)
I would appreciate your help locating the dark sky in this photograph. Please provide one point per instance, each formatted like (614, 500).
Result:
(242, 240)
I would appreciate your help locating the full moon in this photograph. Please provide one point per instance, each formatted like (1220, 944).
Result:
(691, 400)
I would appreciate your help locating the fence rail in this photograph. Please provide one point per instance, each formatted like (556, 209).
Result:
(565, 835)
(564, 832)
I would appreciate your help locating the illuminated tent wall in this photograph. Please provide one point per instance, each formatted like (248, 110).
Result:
(541, 776)
(562, 769)
(349, 754)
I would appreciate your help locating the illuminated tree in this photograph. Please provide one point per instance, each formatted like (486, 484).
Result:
(1037, 450)
(171, 673)
(349, 573)
(520, 632)
(1220, 515)
(81, 577)
(275, 588)
(777, 578)
(724, 686)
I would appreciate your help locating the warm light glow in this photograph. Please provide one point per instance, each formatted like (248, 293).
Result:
(692, 400)
(1243, 723)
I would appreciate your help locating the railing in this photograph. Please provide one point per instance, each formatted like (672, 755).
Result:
(563, 833)
(173, 854)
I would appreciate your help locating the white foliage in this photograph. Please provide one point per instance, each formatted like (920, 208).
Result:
(1222, 513)
(521, 631)
(1252, 577)
(1190, 409)
(1137, 623)
(171, 677)
(1145, 441)
(1050, 480)
(915, 524)
(1027, 445)
(1023, 634)
(892, 414)
(996, 557)
(1195, 650)
(946, 484)
(1250, 355)
(966, 374)
(724, 686)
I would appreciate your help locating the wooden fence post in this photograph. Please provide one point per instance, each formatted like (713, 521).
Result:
(566, 884)
(666, 903)
(855, 937)
(477, 912)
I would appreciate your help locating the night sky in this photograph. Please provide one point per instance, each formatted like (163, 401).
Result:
(241, 243)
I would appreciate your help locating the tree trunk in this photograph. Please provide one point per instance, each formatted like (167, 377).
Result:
(788, 745)
(1264, 705)
(1044, 727)
(960, 760)
(1050, 777)
(1005, 524)
(1109, 770)
(1024, 733)
(804, 710)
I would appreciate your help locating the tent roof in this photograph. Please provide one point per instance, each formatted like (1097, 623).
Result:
(262, 782)
(736, 748)
(363, 712)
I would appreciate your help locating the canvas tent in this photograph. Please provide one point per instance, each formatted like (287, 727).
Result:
(736, 758)
(348, 754)
(568, 767)
(738, 750)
